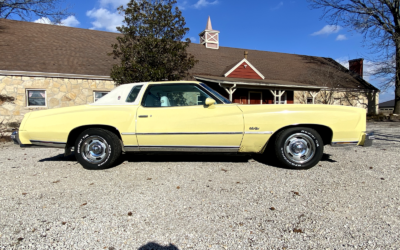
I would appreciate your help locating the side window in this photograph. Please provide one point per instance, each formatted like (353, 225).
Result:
(134, 93)
(36, 98)
(174, 95)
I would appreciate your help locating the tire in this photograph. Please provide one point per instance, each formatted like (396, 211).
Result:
(299, 148)
(97, 148)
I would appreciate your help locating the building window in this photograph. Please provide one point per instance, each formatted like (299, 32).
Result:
(98, 94)
(36, 98)
(309, 100)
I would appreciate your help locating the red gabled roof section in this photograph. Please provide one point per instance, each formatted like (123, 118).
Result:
(244, 69)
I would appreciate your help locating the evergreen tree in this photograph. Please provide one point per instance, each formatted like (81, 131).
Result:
(151, 46)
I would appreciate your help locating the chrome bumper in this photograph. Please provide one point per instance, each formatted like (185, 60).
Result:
(366, 141)
(369, 137)
(36, 144)
(15, 138)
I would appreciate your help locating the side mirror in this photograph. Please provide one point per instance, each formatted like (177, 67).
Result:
(210, 101)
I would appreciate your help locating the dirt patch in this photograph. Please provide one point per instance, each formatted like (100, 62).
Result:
(5, 139)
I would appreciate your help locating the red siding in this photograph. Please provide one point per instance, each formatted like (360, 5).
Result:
(244, 72)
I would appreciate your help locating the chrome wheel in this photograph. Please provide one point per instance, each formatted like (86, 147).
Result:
(95, 149)
(299, 148)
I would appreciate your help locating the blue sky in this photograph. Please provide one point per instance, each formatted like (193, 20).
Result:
(281, 26)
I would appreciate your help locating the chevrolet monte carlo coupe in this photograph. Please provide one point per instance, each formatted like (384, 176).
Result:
(191, 117)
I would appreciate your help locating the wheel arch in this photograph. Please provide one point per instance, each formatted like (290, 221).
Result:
(74, 133)
(324, 131)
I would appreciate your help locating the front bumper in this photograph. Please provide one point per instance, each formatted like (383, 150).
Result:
(36, 144)
(15, 137)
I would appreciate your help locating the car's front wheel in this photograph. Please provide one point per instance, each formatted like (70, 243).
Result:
(97, 148)
(299, 147)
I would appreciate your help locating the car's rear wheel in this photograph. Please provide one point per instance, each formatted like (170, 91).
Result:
(299, 147)
(97, 148)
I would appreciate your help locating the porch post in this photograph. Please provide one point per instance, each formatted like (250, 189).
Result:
(314, 94)
(277, 93)
(230, 91)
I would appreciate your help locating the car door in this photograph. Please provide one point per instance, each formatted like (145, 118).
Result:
(174, 117)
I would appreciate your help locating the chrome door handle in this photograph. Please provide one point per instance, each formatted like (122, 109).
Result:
(143, 116)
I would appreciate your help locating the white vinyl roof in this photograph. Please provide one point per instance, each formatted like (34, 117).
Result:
(119, 95)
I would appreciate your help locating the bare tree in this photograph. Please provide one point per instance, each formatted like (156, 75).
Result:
(378, 20)
(27, 9)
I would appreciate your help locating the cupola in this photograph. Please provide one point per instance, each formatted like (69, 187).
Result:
(210, 37)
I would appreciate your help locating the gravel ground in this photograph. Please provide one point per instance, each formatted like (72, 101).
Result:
(349, 200)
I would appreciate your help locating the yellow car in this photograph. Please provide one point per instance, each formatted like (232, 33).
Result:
(191, 117)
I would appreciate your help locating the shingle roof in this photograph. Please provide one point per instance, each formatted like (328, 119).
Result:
(26, 46)
(388, 104)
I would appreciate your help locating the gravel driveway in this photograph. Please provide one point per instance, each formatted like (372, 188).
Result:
(349, 200)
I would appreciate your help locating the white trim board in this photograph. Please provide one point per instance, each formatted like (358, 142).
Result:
(52, 75)
(249, 64)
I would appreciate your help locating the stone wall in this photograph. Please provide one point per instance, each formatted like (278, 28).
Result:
(368, 101)
(60, 92)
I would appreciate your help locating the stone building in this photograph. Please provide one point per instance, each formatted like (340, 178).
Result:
(47, 66)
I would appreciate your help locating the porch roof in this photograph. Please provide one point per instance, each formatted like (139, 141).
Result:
(254, 83)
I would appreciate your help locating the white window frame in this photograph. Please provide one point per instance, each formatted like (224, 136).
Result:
(98, 91)
(258, 92)
(33, 106)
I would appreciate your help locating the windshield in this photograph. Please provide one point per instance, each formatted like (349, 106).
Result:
(218, 95)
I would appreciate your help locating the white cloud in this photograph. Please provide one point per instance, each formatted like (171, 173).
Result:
(193, 39)
(104, 19)
(182, 5)
(204, 3)
(114, 3)
(278, 6)
(327, 30)
(70, 21)
(341, 38)
(43, 20)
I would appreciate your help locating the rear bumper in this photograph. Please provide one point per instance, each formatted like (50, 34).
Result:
(366, 141)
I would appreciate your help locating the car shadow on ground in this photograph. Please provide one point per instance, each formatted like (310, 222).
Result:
(59, 157)
(184, 157)
(155, 246)
(267, 159)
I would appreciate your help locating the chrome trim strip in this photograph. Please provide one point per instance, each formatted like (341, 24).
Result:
(51, 144)
(225, 149)
(128, 133)
(130, 148)
(344, 143)
(193, 133)
(263, 132)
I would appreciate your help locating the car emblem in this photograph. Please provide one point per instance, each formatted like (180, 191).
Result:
(254, 128)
